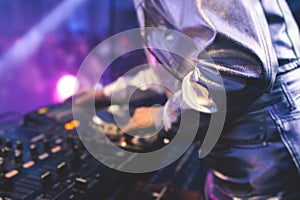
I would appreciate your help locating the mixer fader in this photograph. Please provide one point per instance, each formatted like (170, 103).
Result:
(45, 159)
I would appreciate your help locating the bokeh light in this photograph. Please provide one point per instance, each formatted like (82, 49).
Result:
(66, 86)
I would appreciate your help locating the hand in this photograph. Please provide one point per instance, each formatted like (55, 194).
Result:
(85, 97)
(143, 117)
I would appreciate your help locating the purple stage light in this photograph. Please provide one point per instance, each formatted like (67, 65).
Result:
(66, 86)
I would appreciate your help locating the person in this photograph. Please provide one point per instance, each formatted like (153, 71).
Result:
(255, 47)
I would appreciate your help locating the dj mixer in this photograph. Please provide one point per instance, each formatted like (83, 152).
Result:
(45, 158)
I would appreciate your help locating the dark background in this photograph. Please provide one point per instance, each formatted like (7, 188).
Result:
(42, 40)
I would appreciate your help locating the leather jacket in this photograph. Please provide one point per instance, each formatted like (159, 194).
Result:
(245, 40)
(250, 42)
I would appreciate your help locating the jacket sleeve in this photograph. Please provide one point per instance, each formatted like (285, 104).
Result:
(236, 55)
(226, 77)
(126, 85)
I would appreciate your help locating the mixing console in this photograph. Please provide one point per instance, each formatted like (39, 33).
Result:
(45, 159)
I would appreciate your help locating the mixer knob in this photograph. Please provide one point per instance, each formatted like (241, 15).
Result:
(6, 181)
(76, 148)
(33, 151)
(1, 164)
(70, 141)
(76, 151)
(8, 143)
(3, 153)
(18, 157)
(61, 169)
(75, 155)
(46, 179)
(46, 145)
(19, 145)
(81, 183)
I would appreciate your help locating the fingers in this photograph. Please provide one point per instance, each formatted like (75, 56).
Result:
(129, 127)
(137, 123)
(143, 117)
(82, 97)
(87, 96)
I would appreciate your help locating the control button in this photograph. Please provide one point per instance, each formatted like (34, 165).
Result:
(56, 149)
(75, 123)
(19, 145)
(42, 111)
(72, 125)
(11, 174)
(33, 151)
(8, 143)
(18, 157)
(1, 164)
(45, 179)
(58, 141)
(81, 183)
(75, 157)
(6, 151)
(166, 140)
(46, 145)
(70, 141)
(61, 169)
(43, 156)
(76, 149)
(69, 126)
(3, 153)
(28, 164)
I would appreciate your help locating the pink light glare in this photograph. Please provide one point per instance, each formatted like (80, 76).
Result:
(66, 86)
